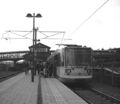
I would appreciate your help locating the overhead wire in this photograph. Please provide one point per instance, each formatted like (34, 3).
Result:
(13, 38)
(18, 31)
(43, 33)
(3, 35)
(57, 38)
(47, 36)
(90, 16)
(20, 35)
(56, 33)
(53, 35)
(62, 38)
(27, 33)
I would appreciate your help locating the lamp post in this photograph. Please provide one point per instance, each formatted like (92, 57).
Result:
(29, 15)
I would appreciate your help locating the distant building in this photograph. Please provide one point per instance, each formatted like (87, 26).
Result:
(41, 52)
(110, 57)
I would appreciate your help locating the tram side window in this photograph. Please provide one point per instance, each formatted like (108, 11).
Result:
(62, 63)
(57, 60)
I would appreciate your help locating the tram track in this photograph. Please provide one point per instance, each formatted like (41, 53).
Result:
(94, 96)
(107, 96)
(7, 76)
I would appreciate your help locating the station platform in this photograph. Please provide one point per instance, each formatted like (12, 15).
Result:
(54, 92)
(20, 90)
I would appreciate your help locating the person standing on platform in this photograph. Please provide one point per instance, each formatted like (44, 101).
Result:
(46, 70)
(54, 69)
(41, 68)
(26, 68)
(31, 67)
(37, 68)
(51, 70)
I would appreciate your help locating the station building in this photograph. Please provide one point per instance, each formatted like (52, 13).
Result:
(41, 52)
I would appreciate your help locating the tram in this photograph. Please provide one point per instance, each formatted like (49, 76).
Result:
(73, 62)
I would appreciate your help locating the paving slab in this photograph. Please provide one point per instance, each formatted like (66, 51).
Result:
(19, 90)
(54, 92)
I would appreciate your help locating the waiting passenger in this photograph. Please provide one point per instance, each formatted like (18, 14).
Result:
(26, 68)
(51, 70)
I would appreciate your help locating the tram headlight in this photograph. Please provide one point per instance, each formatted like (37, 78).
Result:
(68, 71)
(89, 71)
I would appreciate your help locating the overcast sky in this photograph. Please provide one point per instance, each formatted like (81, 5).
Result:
(102, 30)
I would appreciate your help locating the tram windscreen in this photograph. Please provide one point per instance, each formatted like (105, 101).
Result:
(77, 56)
